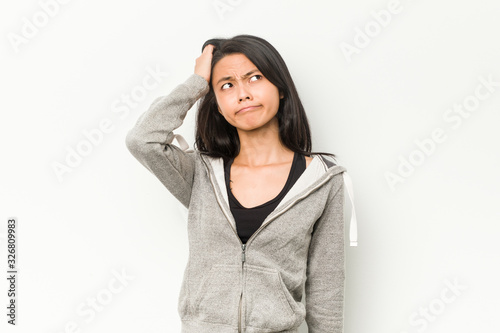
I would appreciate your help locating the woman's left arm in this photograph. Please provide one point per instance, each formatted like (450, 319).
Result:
(324, 286)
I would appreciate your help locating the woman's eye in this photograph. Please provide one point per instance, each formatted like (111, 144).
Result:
(259, 76)
(251, 79)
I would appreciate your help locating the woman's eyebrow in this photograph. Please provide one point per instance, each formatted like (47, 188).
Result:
(244, 76)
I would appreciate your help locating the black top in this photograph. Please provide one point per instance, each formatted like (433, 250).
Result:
(248, 220)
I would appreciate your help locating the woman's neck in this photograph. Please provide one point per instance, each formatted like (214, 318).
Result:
(262, 146)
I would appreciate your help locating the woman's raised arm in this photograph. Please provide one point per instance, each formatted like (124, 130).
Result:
(150, 140)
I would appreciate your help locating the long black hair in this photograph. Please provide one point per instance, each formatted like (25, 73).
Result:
(216, 137)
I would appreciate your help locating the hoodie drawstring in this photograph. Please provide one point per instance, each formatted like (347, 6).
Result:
(182, 142)
(353, 231)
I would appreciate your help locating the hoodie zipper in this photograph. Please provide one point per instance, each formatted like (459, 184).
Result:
(243, 246)
(239, 313)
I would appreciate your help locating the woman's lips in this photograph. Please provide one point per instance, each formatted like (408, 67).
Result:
(248, 108)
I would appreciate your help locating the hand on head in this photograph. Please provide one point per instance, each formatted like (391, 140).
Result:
(204, 62)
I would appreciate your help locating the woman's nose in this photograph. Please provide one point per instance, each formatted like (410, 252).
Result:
(243, 93)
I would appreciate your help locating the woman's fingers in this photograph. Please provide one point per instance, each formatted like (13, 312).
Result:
(204, 62)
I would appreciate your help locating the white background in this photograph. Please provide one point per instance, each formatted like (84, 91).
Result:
(436, 227)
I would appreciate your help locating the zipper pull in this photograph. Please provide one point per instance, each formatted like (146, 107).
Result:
(243, 253)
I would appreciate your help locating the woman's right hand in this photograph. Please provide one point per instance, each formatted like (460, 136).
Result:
(204, 62)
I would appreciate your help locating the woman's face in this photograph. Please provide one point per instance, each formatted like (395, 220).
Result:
(238, 84)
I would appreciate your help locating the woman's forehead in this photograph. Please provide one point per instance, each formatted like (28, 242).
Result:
(234, 65)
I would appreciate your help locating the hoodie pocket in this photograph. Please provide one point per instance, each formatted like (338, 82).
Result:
(268, 303)
(218, 294)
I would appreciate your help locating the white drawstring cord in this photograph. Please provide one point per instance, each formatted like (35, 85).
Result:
(182, 142)
(353, 230)
(353, 224)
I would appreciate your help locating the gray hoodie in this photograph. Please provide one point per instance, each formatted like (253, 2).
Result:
(255, 287)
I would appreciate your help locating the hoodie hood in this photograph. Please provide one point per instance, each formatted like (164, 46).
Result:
(319, 171)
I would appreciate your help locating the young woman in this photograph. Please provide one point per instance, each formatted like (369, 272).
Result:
(265, 222)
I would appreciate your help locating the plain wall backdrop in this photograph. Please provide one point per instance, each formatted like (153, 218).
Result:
(406, 93)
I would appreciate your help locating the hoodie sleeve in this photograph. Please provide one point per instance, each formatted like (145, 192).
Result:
(150, 140)
(324, 286)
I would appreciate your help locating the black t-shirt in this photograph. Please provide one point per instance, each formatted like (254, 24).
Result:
(248, 220)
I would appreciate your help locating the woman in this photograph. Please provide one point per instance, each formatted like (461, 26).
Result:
(265, 221)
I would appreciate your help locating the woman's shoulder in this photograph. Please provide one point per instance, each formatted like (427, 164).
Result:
(328, 159)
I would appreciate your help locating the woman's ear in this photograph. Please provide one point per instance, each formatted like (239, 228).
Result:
(282, 95)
